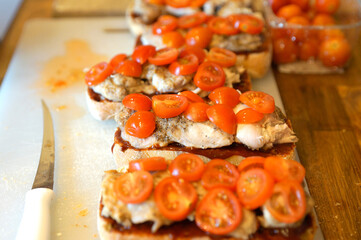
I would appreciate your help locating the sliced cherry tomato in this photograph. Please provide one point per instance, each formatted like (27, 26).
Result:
(225, 95)
(247, 23)
(197, 3)
(284, 50)
(191, 21)
(277, 4)
(178, 3)
(185, 65)
(209, 76)
(248, 115)
(288, 11)
(199, 52)
(169, 105)
(199, 37)
(141, 124)
(165, 23)
(114, 62)
(148, 164)
(219, 212)
(287, 203)
(223, 117)
(303, 4)
(175, 198)
(251, 162)
(254, 187)
(221, 25)
(173, 39)
(323, 19)
(138, 102)
(284, 169)
(129, 68)
(259, 101)
(98, 73)
(309, 49)
(187, 166)
(327, 6)
(191, 96)
(197, 112)
(133, 187)
(143, 52)
(220, 173)
(222, 57)
(164, 56)
(334, 52)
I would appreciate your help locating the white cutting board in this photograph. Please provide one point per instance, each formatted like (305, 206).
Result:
(83, 145)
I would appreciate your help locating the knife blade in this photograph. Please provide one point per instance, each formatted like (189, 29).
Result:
(35, 222)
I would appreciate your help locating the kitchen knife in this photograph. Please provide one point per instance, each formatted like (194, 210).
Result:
(35, 223)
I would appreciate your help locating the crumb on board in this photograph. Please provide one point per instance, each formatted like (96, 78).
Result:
(337, 204)
(83, 212)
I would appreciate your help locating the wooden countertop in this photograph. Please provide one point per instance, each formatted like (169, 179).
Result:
(325, 111)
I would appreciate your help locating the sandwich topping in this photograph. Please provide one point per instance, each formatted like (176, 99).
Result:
(220, 198)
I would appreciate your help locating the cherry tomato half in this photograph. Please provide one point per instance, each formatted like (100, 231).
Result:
(222, 57)
(169, 105)
(187, 166)
(220, 173)
(175, 198)
(284, 169)
(209, 76)
(259, 101)
(225, 95)
(114, 62)
(247, 23)
(141, 124)
(164, 56)
(219, 212)
(221, 25)
(143, 52)
(98, 73)
(173, 39)
(199, 37)
(191, 21)
(199, 52)
(288, 202)
(251, 162)
(165, 23)
(191, 96)
(184, 66)
(197, 112)
(223, 117)
(137, 102)
(148, 164)
(133, 187)
(254, 187)
(129, 68)
(248, 115)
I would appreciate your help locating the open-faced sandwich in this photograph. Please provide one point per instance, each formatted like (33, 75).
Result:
(168, 70)
(227, 125)
(184, 198)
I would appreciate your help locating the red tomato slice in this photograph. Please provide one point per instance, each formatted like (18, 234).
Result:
(247, 23)
(199, 37)
(251, 162)
(191, 96)
(199, 52)
(169, 105)
(98, 73)
(141, 124)
(178, 3)
(142, 53)
(148, 164)
(197, 112)
(288, 202)
(248, 115)
(137, 102)
(254, 187)
(114, 62)
(221, 25)
(185, 65)
(222, 57)
(164, 24)
(187, 166)
(164, 56)
(285, 169)
(223, 117)
(173, 39)
(129, 68)
(197, 3)
(219, 212)
(225, 95)
(191, 21)
(133, 187)
(175, 198)
(259, 101)
(209, 76)
(220, 173)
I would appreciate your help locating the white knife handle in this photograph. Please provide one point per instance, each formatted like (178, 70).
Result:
(35, 223)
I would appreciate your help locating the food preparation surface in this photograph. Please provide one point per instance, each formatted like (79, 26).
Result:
(48, 65)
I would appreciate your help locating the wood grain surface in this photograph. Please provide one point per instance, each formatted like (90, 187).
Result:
(325, 111)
